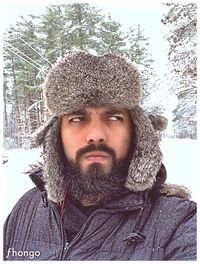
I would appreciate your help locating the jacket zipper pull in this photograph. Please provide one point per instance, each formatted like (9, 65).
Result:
(66, 246)
(44, 199)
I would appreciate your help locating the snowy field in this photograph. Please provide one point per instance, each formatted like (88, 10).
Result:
(180, 159)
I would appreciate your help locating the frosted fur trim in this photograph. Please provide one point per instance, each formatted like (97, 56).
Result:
(147, 157)
(159, 122)
(39, 135)
(81, 79)
(176, 190)
(52, 174)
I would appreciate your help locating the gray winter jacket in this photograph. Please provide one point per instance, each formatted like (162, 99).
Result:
(137, 226)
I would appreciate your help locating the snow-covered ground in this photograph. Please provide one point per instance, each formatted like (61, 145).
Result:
(180, 159)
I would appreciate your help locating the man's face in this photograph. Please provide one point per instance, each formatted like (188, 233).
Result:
(96, 135)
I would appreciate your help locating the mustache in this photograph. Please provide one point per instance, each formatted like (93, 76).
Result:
(93, 147)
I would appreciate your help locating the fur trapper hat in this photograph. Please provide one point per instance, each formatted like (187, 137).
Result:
(80, 80)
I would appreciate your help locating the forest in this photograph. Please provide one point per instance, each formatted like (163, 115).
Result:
(35, 43)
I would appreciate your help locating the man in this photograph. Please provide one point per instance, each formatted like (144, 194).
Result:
(100, 194)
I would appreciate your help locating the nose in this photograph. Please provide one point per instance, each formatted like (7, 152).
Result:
(96, 133)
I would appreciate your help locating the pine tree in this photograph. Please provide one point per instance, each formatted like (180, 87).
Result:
(182, 20)
(138, 52)
(111, 36)
(51, 33)
(83, 26)
(22, 63)
(5, 104)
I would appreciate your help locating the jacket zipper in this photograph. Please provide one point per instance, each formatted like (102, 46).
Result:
(63, 235)
(68, 246)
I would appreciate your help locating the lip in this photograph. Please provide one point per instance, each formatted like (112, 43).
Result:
(96, 156)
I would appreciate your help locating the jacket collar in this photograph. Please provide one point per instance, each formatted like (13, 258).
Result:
(124, 202)
(128, 201)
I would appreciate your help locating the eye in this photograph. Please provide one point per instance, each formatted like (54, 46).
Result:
(115, 118)
(77, 119)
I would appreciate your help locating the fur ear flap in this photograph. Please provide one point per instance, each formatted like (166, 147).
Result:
(159, 122)
(147, 157)
(39, 135)
(181, 191)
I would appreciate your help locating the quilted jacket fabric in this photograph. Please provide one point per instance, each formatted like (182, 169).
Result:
(137, 226)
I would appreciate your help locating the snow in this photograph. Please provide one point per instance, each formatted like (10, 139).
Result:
(180, 159)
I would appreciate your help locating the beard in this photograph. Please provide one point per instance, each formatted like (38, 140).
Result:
(95, 185)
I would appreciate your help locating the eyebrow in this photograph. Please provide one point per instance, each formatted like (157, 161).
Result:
(114, 112)
(79, 112)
